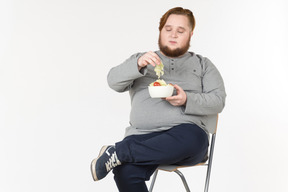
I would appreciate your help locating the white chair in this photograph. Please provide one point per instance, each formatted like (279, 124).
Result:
(212, 128)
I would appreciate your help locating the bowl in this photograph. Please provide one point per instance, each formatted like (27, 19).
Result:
(160, 91)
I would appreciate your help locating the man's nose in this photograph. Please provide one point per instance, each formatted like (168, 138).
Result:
(174, 33)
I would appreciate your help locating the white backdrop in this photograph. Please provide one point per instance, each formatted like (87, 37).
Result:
(56, 109)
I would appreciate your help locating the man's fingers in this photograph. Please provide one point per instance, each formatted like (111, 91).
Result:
(150, 61)
(154, 57)
(149, 58)
(177, 87)
(179, 99)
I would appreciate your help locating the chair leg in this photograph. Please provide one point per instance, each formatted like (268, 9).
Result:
(209, 163)
(153, 181)
(183, 180)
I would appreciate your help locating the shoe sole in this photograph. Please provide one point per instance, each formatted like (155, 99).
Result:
(93, 163)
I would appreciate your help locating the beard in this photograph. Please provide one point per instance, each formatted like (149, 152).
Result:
(173, 52)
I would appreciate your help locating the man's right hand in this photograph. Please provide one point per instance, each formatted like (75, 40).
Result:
(149, 58)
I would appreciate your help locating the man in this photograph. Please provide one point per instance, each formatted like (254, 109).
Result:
(170, 130)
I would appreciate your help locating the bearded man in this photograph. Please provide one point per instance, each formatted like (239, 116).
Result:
(169, 130)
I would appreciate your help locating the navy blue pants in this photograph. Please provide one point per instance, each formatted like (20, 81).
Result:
(140, 155)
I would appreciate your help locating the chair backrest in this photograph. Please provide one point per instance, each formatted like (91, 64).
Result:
(211, 124)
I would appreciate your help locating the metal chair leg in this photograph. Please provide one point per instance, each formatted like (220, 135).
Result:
(153, 180)
(209, 163)
(178, 172)
(183, 180)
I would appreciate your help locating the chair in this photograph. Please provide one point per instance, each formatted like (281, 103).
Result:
(212, 128)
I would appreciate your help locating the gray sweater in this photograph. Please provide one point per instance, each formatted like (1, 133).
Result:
(197, 76)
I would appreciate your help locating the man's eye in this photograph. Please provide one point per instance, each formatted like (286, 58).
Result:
(168, 29)
(180, 31)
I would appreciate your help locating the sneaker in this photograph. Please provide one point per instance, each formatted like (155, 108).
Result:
(104, 163)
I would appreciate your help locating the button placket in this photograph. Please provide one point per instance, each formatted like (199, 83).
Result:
(172, 61)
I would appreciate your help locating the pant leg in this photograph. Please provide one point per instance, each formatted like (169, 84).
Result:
(131, 178)
(178, 144)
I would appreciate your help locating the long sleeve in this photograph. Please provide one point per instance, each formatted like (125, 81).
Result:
(212, 99)
(121, 77)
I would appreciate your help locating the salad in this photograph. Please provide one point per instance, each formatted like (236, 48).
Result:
(159, 82)
(159, 69)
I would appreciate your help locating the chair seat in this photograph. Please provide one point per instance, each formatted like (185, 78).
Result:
(171, 168)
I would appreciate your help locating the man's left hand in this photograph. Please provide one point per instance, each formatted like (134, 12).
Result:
(179, 99)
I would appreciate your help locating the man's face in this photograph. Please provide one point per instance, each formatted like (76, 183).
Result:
(174, 39)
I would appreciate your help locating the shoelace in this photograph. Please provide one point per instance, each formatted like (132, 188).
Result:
(112, 162)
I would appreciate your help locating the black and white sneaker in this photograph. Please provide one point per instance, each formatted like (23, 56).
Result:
(105, 162)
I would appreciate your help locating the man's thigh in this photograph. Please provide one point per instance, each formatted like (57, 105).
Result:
(176, 144)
